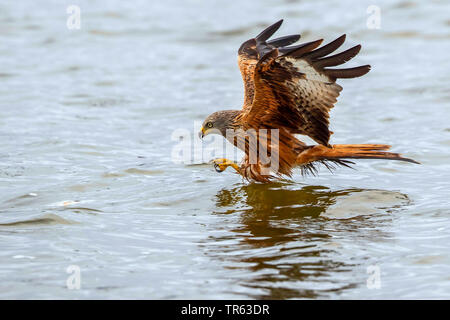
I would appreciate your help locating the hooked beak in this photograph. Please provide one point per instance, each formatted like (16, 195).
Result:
(201, 133)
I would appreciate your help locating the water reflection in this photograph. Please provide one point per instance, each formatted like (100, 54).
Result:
(291, 240)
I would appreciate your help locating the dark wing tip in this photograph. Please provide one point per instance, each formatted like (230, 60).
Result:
(341, 38)
(410, 160)
(339, 58)
(328, 48)
(364, 69)
(269, 31)
(348, 73)
(298, 51)
(284, 41)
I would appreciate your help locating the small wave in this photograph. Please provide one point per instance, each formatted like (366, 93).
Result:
(47, 219)
(143, 172)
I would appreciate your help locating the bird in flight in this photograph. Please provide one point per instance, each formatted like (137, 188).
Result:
(289, 90)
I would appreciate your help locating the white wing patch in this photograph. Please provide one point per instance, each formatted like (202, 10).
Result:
(304, 67)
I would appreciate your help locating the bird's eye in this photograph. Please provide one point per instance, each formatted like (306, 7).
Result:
(209, 125)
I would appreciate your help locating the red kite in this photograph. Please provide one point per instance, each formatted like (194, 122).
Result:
(289, 90)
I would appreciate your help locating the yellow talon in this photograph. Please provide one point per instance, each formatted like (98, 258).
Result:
(222, 164)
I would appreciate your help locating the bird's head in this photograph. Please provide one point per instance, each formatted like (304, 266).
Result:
(218, 123)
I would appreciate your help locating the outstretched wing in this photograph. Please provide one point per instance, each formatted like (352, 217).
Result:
(250, 52)
(294, 89)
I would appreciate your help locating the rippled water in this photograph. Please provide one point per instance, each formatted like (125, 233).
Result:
(86, 123)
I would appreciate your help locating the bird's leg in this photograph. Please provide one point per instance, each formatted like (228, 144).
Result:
(222, 164)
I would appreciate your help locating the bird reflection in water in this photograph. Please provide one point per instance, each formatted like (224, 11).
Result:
(294, 241)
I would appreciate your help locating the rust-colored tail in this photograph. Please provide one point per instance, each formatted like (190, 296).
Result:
(348, 151)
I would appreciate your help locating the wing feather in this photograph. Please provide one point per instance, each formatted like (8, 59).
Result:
(328, 48)
(284, 41)
(252, 50)
(296, 91)
(269, 31)
(339, 58)
(300, 50)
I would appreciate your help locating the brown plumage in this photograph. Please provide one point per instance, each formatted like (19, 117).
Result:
(289, 89)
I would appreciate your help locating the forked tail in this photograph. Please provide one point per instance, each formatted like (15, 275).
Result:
(339, 152)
